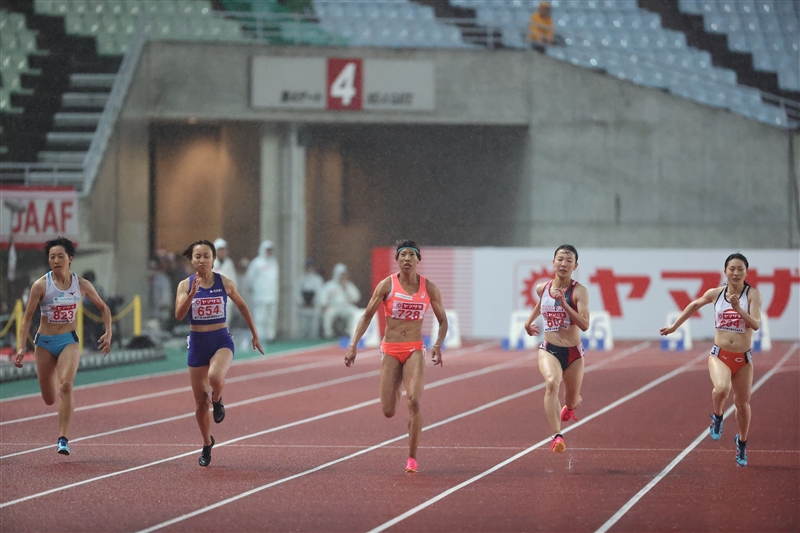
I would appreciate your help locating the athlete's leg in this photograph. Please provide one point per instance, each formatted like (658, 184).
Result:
(217, 369)
(199, 378)
(391, 377)
(46, 371)
(66, 368)
(552, 374)
(414, 378)
(573, 379)
(742, 384)
(721, 379)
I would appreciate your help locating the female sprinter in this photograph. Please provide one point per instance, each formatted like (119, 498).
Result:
(57, 351)
(737, 313)
(405, 297)
(211, 347)
(564, 306)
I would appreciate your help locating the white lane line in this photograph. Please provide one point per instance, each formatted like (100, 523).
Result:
(236, 362)
(639, 495)
(306, 388)
(539, 444)
(322, 416)
(375, 447)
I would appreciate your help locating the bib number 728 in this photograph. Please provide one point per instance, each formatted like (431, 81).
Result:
(344, 84)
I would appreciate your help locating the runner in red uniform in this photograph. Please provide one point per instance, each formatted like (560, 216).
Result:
(406, 297)
(564, 306)
(737, 313)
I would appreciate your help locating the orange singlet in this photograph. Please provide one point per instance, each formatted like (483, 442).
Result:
(403, 306)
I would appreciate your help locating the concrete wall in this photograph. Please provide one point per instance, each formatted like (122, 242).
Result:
(590, 159)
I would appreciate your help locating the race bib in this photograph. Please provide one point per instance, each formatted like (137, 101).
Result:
(730, 320)
(208, 308)
(63, 311)
(408, 310)
(555, 318)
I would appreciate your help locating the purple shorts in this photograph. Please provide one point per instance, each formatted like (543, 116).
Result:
(204, 344)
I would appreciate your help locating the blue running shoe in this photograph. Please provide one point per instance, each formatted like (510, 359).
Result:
(741, 456)
(63, 447)
(715, 429)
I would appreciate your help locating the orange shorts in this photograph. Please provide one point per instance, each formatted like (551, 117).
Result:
(734, 361)
(402, 350)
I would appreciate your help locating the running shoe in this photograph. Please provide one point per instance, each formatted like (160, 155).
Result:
(411, 465)
(205, 455)
(62, 447)
(558, 445)
(715, 429)
(741, 456)
(219, 410)
(567, 413)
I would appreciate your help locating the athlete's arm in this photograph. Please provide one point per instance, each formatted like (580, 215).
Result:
(753, 318)
(380, 293)
(88, 290)
(37, 293)
(707, 298)
(579, 317)
(530, 327)
(441, 316)
(233, 294)
(183, 300)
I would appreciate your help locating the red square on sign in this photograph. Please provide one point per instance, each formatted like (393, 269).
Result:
(344, 85)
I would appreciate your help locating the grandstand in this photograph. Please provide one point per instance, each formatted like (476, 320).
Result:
(636, 96)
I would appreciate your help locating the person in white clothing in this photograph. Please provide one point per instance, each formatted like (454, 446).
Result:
(263, 279)
(338, 298)
(224, 265)
(308, 295)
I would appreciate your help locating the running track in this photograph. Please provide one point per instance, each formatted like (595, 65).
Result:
(304, 447)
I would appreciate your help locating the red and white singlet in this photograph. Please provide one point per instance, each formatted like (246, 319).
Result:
(556, 317)
(403, 306)
(725, 318)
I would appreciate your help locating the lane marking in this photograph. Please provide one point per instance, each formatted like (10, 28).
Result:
(523, 453)
(322, 416)
(639, 495)
(371, 448)
(305, 388)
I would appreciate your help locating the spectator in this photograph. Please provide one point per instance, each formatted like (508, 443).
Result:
(308, 293)
(541, 27)
(224, 265)
(263, 278)
(338, 299)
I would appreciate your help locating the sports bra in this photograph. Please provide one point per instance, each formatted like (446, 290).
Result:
(60, 307)
(403, 306)
(208, 305)
(556, 317)
(725, 317)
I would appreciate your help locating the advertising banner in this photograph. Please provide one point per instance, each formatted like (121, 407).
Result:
(636, 287)
(32, 215)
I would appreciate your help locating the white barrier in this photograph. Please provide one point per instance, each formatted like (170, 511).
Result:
(681, 339)
(598, 336)
(518, 338)
(762, 342)
(453, 337)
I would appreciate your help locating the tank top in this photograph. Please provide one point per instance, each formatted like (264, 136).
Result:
(208, 305)
(60, 307)
(725, 318)
(403, 306)
(556, 317)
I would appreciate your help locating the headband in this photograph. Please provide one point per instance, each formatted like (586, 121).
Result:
(407, 248)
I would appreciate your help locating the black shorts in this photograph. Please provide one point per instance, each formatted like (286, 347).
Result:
(565, 355)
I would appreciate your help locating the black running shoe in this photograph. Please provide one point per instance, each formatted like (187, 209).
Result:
(219, 410)
(205, 455)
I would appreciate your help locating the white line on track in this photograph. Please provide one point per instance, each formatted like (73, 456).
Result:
(483, 407)
(236, 362)
(539, 444)
(306, 388)
(322, 416)
(639, 495)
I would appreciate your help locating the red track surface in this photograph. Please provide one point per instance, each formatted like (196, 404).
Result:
(267, 438)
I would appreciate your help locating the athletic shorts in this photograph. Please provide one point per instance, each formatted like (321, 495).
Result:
(565, 355)
(402, 350)
(204, 344)
(55, 344)
(734, 361)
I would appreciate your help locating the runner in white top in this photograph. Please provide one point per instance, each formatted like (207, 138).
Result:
(737, 313)
(57, 351)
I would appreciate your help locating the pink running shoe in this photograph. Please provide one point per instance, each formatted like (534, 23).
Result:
(567, 413)
(558, 445)
(411, 466)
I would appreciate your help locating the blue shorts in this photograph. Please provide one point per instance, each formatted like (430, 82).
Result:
(204, 344)
(55, 344)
